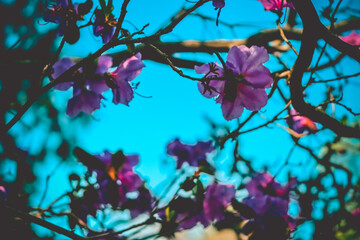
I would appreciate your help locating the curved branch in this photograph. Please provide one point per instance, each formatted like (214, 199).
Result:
(311, 34)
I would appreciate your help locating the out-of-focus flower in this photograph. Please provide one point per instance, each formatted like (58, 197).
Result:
(127, 71)
(274, 5)
(104, 26)
(218, 3)
(192, 154)
(90, 84)
(59, 68)
(185, 213)
(143, 203)
(242, 83)
(301, 124)
(3, 193)
(217, 198)
(353, 38)
(84, 101)
(118, 167)
(270, 201)
(65, 13)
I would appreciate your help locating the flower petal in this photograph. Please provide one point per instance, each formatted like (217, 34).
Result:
(123, 94)
(251, 98)
(129, 68)
(86, 101)
(237, 58)
(232, 110)
(259, 77)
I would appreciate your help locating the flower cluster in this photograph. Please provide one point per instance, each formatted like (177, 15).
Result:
(115, 180)
(92, 80)
(301, 124)
(241, 83)
(185, 213)
(270, 201)
(194, 155)
(66, 14)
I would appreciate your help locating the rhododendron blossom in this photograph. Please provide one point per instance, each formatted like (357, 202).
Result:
(270, 200)
(192, 154)
(66, 14)
(86, 94)
(353, 38)
(217, 198)
(218, 3)
(274, 5)
(242, 83)
(104, 26)
(90, 81)
(123, 75)
(301, 124)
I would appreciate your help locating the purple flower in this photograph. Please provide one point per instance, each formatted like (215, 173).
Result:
(192, 154)
(104, 26)
(125, 73)
(353, 38)
(86, 93)
(218, 3)
(217, 198)
(274, 5)
(242, 83)
(67, 14)
(59, 68)
(96, 80)
(301, 124)
(117, 167)
(84, 101)
(269, 199)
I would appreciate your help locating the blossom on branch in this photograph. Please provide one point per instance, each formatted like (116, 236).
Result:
(241, 84)
(84, 101)
(270, 201)
(217, 198)
(353, 38)
(301, 124)
(194, 155)
(275, 5)
(218, 3)
(123, 75)
(88, 84)
(104, 25)
(66, 14)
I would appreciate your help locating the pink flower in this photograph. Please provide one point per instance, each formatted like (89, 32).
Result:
(125, 73)
(273, 5)
(242, 83)
(301, 124)
(353, 38)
